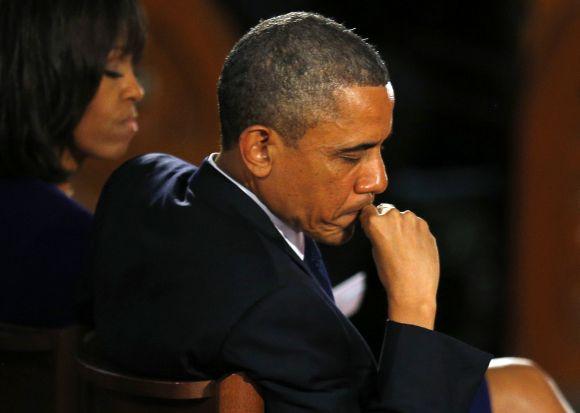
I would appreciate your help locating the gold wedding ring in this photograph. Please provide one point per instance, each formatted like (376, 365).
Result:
(382, 209)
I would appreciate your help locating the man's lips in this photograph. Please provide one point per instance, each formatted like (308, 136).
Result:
(352, 214)
(357, 210)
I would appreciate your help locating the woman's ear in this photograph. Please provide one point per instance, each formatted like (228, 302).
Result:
(256, 145)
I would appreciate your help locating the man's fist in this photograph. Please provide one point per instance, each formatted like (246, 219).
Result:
(407, 260)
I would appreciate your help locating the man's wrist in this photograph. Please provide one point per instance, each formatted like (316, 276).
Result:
(422, 315)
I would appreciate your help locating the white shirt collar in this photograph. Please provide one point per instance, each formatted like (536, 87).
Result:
(295, 239)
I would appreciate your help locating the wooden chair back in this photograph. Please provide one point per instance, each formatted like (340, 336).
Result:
(37, 369)
(105, 389)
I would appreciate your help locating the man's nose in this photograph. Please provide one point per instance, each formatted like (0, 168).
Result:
(374, 178)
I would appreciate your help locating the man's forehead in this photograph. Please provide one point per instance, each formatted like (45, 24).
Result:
(364, 103)
(364, 119)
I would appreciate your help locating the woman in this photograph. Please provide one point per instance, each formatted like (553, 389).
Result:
(67, 92)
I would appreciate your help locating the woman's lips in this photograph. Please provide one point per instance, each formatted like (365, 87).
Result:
(132, 124)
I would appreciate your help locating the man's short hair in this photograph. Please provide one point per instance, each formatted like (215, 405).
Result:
(283, 74)
(52, 57)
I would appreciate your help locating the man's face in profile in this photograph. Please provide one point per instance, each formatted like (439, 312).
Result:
(336, 167)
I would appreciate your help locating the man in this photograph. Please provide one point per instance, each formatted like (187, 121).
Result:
(201, 272)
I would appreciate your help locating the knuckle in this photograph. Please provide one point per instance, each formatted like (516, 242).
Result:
(408, 216)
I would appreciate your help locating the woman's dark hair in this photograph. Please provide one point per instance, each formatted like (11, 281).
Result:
(52, 57)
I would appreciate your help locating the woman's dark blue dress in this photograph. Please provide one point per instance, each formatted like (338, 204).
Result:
(43, 242)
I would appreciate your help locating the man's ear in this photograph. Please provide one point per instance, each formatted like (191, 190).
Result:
(257, 146)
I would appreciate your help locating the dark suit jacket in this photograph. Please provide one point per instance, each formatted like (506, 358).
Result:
(192, 280)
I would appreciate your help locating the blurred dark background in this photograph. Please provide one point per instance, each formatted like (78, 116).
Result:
(485, 147)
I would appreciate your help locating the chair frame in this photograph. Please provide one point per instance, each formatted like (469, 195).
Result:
(232, 393)
(62, 344)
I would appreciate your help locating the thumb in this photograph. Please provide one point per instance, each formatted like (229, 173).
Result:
(370, 213)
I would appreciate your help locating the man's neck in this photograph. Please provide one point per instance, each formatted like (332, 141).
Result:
(232, 164)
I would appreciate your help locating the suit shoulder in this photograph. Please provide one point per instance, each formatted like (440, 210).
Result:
(143, 177)
(151, 165)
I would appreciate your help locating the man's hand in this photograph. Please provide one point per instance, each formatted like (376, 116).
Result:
(407, 260)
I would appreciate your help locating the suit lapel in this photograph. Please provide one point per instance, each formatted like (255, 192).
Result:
(213, 188)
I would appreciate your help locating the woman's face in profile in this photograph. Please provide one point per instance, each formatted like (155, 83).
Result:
(110, 120)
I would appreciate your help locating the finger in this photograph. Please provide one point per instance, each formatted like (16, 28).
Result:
(368, 211)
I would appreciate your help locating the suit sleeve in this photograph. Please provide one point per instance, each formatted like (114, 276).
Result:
(425, 371)
(297, 351)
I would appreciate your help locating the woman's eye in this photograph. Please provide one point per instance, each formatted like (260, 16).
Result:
(113, 74)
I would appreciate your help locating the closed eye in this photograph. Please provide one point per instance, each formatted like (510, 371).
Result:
(350, 158)
(113, 74)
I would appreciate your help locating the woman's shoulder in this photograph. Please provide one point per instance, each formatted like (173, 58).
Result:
(35, 204)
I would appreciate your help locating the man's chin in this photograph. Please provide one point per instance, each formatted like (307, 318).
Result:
(336, 237)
